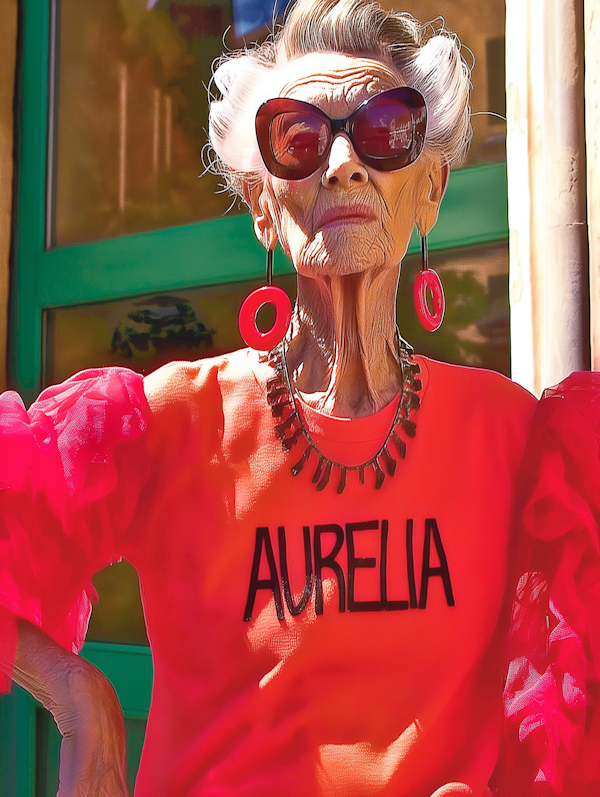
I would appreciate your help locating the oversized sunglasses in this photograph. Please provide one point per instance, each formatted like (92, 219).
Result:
(387, 132)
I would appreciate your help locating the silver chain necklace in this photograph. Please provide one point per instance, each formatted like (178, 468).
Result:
(290, 428)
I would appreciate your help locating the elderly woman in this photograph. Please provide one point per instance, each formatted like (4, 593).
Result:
(324, 615)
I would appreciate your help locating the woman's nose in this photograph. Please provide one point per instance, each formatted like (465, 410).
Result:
(344, 167)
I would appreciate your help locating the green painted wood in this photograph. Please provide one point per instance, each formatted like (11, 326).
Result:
(474, 210)
(129, 669)
(17, 744)
(217, 251)
(7, 756)
(47, 764)
(48, 742)
(226, 250)
(136, 733)
(25, 335)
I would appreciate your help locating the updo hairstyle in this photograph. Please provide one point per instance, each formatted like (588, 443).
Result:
(427, 59)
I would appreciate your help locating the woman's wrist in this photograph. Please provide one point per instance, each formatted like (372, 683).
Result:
(46, 670)
(61, 681)
(85, 708)
(82, 693)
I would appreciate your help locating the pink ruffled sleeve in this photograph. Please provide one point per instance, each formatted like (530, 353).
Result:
(553, 683)
(71, 470)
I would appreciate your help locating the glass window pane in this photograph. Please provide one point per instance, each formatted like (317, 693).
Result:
(131, 108)
(131, 116)
(118, 615)
(143, 333)
(480, 28)
(476, 326)
(146, 332)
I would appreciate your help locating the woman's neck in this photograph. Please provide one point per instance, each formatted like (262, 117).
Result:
(343, 356)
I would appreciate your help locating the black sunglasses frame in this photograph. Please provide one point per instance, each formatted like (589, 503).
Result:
(409, 97)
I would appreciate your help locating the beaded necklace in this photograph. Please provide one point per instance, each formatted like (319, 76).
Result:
(290, 428)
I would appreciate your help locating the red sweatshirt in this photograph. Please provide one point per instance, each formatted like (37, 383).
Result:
(305, 643)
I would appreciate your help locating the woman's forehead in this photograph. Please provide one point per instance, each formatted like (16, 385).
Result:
(337, 77)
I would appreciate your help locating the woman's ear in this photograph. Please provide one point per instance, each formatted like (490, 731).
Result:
(427, 211)
(258, 200)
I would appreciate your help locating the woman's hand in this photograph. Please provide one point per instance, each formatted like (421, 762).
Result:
(86, 710)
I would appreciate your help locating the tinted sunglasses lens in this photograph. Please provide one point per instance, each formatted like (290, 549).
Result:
(389, 132)
(298, 142)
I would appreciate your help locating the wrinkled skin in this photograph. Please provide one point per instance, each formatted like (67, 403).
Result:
(86, 710)
(343, 357)
(346, 228)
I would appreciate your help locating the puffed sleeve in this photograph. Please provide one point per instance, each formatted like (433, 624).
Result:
(553, 683)
(71, 469)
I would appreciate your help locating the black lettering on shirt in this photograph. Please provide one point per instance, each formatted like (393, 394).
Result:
(410, 565)
(315, 561)
(293, 608)
(354, 562)
(389, 606)
(427, 571)
(263, 540)
(330, 562)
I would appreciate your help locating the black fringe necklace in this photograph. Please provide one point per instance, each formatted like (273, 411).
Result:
(290, 428)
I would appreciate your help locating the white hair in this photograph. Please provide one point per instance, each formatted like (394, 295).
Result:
(426, 58)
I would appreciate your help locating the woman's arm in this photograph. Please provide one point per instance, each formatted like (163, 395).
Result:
(85, 708)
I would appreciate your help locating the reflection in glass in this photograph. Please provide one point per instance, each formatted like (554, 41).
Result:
(480, 28)
(164, 323)
(475, 330)
(131, 116)
(118, 615)
(132, 108)
(144, 333)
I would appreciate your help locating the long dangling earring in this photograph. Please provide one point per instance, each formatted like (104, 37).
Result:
(267, 294)
(428, 278)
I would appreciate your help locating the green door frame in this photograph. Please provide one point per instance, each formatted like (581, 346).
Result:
(206, 253)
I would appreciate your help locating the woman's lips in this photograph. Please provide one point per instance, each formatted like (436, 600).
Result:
(358, 214)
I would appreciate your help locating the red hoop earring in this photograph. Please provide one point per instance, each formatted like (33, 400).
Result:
(428, 278)
(267, 294)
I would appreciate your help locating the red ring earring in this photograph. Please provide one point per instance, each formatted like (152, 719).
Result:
(427, 278)
(267, 294)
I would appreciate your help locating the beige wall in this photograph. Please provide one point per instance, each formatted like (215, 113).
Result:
(8, 15)
(592, 133)
(546, 190)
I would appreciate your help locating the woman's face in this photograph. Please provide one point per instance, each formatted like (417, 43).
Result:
(346, 217)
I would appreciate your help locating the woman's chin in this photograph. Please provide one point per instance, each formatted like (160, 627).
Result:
(337, 256)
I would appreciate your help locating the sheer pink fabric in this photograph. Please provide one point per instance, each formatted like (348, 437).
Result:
(71, 470)
(70, 474)
(553, 683)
